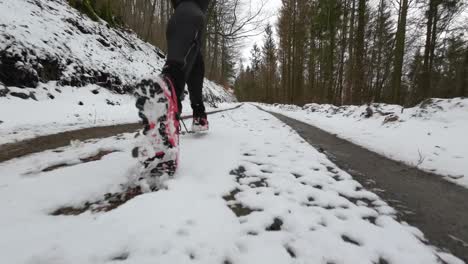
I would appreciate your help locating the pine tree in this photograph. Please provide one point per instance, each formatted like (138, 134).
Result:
(399, 51)
(348, 51)
(255, 72)
(285, 50)
(358, 74)
(382, 47)
(269, 62)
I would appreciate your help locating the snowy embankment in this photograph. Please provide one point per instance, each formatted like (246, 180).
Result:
(258, 202)
(59, 70)
(72, 108)
(430, 136)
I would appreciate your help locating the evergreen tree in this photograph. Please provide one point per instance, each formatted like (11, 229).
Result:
(382, 46)
(269, 63)
(349, 51)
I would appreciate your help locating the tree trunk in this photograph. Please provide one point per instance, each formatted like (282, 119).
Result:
(358, 71)
(150, 26)
(463, 77)
(350, 63)
(425, 80)
(344, 31)
(399, 52)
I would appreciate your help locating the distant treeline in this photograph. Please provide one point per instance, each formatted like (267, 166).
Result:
(358, 51)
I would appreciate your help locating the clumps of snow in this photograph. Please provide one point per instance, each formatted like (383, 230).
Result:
(287, 107)
(443, 110)
(110, 201)
(428, 109)
(429, 136)
(57, 164)
(214, 94)
(304, 212)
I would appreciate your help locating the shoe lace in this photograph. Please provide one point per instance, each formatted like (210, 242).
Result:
(183, 123)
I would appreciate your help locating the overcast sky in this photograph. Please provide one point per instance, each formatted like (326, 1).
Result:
(271, 11)
(272, 7)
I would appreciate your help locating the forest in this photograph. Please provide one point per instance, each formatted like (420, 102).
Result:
(323, 51)
(228, 23)
(358, 51)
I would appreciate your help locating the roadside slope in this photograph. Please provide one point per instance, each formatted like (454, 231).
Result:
(61, 71)
(422, 199)
(430, 136)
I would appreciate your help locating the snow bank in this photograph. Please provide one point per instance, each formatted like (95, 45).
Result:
(59, 70)
(45, 41)
(430, 136)
(56, 109)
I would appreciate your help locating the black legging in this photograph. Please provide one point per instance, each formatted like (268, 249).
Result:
(184, 58)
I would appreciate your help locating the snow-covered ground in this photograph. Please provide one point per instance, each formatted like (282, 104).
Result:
(430, 136)
(249, 191)
(49, 40)
(73, 72)
(243, 194)
(71, 108)
(43, 30)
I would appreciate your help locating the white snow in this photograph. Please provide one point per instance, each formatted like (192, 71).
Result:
(48, 29)
(42, 26)
(249, 191)
(325, 216)
(23, 119)
(431, 136)
(29, 118)
(40, 30)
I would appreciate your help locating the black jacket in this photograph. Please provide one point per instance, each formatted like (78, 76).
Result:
(202, 3)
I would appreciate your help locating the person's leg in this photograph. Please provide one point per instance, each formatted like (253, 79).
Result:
(183, 40)
(195, 85)
(159, 99)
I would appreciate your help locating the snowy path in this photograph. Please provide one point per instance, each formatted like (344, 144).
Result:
(429, 136)
(41, 143)
(436, 206)
(71, 109)
(250, 191)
